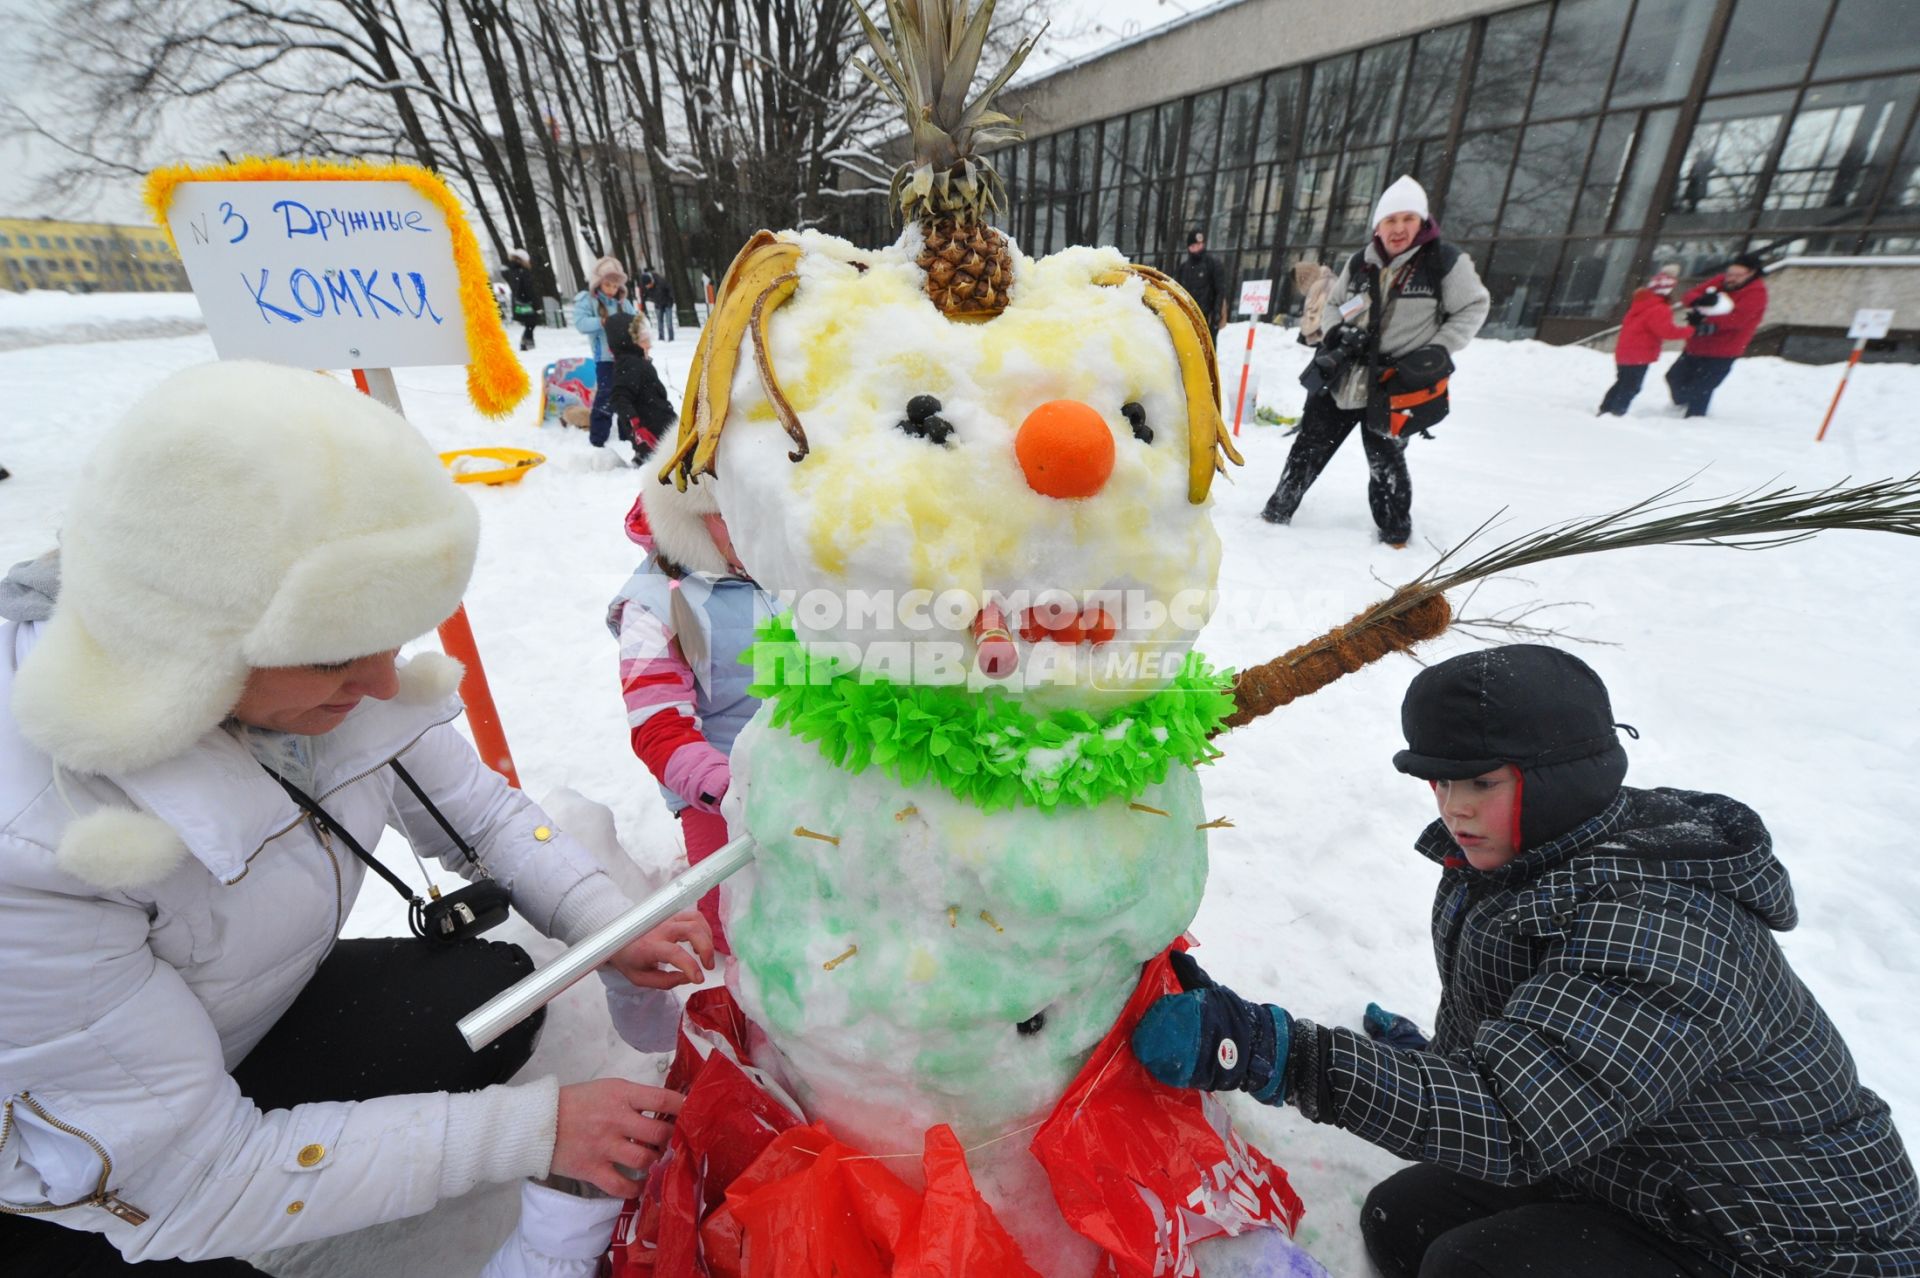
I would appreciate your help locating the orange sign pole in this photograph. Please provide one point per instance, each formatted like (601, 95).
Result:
(1859, 344)
(456, 634)
(1240, 401)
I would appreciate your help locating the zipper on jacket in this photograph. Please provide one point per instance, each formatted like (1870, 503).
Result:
(106, 1199)
(339, 892)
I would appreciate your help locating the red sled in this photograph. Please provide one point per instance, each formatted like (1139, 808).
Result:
(748, 1189)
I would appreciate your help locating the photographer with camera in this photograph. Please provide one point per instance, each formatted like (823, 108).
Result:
(1725, 312)
(1397, 312)
(205, 730)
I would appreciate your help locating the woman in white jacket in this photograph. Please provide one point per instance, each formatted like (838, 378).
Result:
(198, 729)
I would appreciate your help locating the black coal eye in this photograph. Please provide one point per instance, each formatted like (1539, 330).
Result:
(1033, 1024)
(923, 420)
(1136, 415)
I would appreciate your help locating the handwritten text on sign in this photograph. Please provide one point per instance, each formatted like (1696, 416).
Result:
(322, 274)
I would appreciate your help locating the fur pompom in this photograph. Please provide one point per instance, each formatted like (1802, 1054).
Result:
(429, 677)
(119, 849)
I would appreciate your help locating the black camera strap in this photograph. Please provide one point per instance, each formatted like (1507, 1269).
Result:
(321, 817)
(436, 814)
(419, 913)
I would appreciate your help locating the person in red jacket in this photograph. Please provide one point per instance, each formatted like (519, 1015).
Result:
(1725, 312)
(1649, 322)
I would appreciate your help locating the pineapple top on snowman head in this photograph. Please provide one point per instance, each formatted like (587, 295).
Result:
(906, 480)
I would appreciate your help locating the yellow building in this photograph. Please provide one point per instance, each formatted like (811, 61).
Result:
(87, 257)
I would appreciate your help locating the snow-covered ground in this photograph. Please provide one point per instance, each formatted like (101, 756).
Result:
(1783, 677)
(45, 317)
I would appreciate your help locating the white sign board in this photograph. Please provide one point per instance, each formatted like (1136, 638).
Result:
(322, 274)
(1870, 323)
(1255, 296)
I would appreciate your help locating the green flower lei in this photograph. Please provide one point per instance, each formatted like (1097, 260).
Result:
(986, 748)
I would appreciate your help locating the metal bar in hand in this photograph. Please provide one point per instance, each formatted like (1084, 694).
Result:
(529, 994)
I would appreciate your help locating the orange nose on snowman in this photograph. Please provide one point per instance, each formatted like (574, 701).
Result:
(1065, 449)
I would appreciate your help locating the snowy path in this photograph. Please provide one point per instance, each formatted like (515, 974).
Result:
(1784, 678)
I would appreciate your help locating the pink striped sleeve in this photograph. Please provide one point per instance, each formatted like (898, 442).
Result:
(653, 674)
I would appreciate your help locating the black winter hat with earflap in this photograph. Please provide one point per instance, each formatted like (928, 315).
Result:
(1540, 709)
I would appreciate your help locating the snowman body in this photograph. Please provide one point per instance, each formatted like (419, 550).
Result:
(912, 954)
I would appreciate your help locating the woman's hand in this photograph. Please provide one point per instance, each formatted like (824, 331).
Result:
(672, 954)
(609, 1127)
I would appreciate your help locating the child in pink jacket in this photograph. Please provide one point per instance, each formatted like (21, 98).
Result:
(681, 631)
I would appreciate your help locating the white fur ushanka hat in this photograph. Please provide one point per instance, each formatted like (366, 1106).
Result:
(241, 515)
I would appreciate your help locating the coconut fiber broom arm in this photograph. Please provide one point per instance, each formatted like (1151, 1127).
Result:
(1395, 624)
(1754, 520)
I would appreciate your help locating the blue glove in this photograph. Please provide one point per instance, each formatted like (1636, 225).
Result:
(1212, 1039)
(1393, 1029)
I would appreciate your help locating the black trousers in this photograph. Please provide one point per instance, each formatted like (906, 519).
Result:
(377, 1019)
(1323, 428)
(1694, 378)
(1626, 384)
(1434, 1223)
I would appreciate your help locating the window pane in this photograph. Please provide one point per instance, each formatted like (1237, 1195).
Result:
(1327, 105)
(1106, 217)
(1362, 178)
(1113, 152)
(1839, 146)
(1519, 276)
(1434, 82)
(1236, 132)
(1479, 179)
(1196, 207)
(1275, 140)
(1902, 200)
(1504, 75)
(1139, 145)
(1273, 188)
(1203, 136)
(1172, 116)
(1649, 153)
(1086, 140)
(1594, 279)
(1546, 178)
(1312, 193)
(1040, 164)
(1768, 44)
(1377, 85)
(1869, 36)
(1586, 35)
(1604, 171)
(1230, 209)
(1067, 175)
(1720, 179)
(1663, 48)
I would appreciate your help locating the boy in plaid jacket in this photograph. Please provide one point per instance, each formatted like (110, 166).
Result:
(1626, 1077)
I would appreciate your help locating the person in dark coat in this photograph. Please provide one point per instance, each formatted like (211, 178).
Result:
(1725, 313)
(523, 297)
(1409, 297)
(1205, 280)
(1622, 1054)
(658, 293)
(641, 410)
(1649, 323)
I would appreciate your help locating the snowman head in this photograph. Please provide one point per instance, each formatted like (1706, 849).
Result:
(1018, 502)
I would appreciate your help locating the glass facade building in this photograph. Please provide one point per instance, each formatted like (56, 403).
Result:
(1567, 144)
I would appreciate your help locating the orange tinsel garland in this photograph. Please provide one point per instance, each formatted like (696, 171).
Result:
(496, 380)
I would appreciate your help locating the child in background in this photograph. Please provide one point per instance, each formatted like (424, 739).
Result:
(1626, 1078)
(1649, 322)
(682, 627)
(641, 410)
